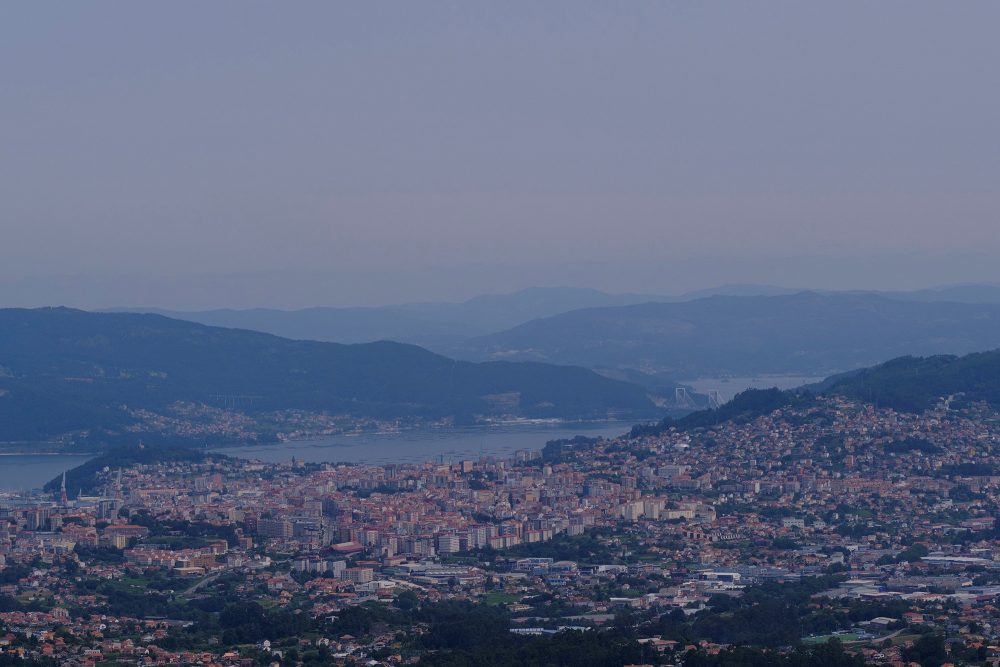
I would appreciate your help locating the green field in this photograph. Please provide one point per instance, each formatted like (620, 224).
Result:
(822, 639)
(498, 597)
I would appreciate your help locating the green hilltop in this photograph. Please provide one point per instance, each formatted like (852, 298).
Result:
(913, 384)
(907, 384)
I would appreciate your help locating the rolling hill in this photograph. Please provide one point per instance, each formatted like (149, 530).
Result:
(906, 384)
(917, 383)
(63, 370)
(805, 333)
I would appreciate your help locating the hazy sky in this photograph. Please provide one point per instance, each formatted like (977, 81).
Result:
(180, 138)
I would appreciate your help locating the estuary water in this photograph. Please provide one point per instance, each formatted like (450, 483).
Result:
(22, 472)
(730, 386)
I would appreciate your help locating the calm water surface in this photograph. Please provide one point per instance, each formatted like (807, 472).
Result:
(730, 386)
(22, 472)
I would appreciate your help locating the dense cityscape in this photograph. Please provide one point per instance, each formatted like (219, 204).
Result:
(558, 333)
(869, 527)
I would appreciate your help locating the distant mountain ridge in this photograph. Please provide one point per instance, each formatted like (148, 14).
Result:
(63, 370)
(971, 293)
(804, 333)
(690, 335)
(436, 325)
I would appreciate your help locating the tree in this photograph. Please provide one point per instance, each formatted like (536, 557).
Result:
(929, 651)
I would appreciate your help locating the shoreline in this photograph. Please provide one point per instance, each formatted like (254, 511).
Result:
(485, 426)
(627, 424)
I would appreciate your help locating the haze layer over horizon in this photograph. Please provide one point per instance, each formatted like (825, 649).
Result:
(227, 154)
